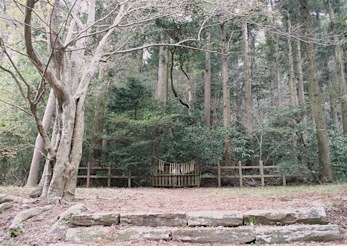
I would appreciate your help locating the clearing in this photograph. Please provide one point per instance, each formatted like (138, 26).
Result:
(332, 197)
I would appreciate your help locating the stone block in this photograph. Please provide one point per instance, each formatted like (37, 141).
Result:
(110, 234)
(215, 218)
(105, 219)
(154, 219)
(286, 217)
(297, 233)
(215, 235)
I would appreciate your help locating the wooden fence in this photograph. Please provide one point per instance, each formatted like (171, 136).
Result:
(109, 174)
(222, 173)
(191, 179)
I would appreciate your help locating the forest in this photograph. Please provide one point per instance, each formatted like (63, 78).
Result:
(124, 83)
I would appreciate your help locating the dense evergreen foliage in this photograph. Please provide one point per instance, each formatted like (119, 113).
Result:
(129, 126)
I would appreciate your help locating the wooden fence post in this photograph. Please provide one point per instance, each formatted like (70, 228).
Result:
(88, 175)
(284, 180)
(129, 180)
(219, 176)
(240, 174)
(109, 177)
(261, 168)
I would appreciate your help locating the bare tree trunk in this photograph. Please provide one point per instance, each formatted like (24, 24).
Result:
(315, 98)
(71, 99)
(278, 80)
(292, 80)
(332, 93)
(162, 82)
(275, 72)
(207, 87)
(48, 170)
(226, 94)
(95, 152)
(248, 82)
(39, 145)
(301, 90)
(339, 64)
(189, 86)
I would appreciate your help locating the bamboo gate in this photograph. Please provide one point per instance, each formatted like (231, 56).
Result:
(166, 174)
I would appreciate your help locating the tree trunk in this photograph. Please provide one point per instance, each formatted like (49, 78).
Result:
(278, 80)
(48, 170)
(292, 82)
(162, 82)
(207, 87)
(189, 86)
(71, 91)
(301, 90)
(248, 82)
(339, 64)
(315, 98)
(96, 142)
(39, 145)
(274, 64)
(226, 94)
(95, 152)
(333, 92)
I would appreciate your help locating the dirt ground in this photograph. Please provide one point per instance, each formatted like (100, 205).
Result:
(332, 197)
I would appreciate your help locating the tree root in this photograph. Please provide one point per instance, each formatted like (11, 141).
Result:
(37, 192)
(4, 206)
(16, 228)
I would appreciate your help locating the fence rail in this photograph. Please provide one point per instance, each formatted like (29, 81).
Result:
(220, 175)
(109, 176)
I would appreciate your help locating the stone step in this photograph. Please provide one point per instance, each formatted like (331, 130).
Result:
(204, 218)
(225, 235)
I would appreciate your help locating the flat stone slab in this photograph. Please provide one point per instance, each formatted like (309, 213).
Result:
(154, 219)
(297, 233)
(286, 217)
(104, 234)
(215, 218)
(85, 219)
(215, 235)
(225, 235)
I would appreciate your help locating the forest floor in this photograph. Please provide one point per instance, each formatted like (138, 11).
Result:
(332, 197)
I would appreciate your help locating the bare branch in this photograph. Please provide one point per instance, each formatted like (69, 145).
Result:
(36, 60)
(16, 80)
(16, 106)
(90, 70)
(90, 23)
(22, 5)
(18, 72)
(179, 44)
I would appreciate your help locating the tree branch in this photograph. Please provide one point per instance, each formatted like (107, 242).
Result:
(36, 60)
(16, 106)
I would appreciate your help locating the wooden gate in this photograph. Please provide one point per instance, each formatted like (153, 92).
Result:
(166, 174)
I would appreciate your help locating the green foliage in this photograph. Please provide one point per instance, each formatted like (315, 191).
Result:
(139, 128)
(338, 148)
(15, 232)
(17, 134)
(129, 98)
(168, 131)
(275, 143)
(251, 220)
